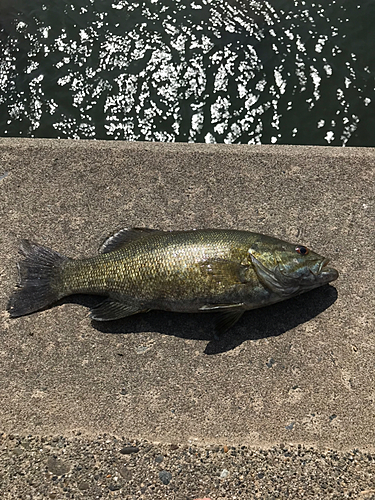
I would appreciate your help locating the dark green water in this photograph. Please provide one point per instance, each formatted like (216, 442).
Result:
(288, 72)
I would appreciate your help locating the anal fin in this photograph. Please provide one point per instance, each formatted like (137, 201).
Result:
(111, 309)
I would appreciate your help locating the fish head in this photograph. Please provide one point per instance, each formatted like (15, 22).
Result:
(289, 269)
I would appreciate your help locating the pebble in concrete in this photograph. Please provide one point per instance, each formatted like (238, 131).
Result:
(46, 470)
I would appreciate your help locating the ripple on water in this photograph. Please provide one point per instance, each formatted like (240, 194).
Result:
(254, 72)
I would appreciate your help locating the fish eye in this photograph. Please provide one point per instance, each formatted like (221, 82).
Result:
(302, 250)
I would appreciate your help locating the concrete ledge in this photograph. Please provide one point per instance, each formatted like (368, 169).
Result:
(300, 372)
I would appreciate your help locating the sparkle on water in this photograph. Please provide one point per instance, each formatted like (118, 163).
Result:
(202, 71)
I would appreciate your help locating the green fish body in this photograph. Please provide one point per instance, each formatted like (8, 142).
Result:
(184, 271)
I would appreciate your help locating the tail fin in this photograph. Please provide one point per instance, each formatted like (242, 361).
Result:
(39, 279)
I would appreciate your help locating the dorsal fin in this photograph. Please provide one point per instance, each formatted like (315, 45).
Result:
(124, 236)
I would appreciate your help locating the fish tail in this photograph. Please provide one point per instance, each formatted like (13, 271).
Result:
(40, 282)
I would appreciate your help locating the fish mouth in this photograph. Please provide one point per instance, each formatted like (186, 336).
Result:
(326, 273)
(323, 264)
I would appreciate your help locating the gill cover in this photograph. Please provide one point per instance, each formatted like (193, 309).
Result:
(275, 280)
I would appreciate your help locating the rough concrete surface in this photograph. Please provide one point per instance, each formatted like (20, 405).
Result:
(299, 372)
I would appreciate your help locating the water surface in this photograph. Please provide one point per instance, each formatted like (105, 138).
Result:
(288, 72)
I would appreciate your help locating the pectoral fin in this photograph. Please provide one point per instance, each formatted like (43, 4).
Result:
(225, 271)
(112, 309)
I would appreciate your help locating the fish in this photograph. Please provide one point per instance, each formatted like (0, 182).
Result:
(226, 271)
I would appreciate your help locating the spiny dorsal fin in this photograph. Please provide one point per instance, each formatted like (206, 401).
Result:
(124, 236)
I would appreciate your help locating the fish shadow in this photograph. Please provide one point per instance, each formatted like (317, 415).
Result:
(269, 321)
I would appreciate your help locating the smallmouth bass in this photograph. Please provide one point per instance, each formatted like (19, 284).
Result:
(140, 269)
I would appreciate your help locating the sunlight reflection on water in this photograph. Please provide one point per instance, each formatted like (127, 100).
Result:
(260, 72)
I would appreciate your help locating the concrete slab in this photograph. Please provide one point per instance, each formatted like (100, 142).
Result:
(300, 372)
